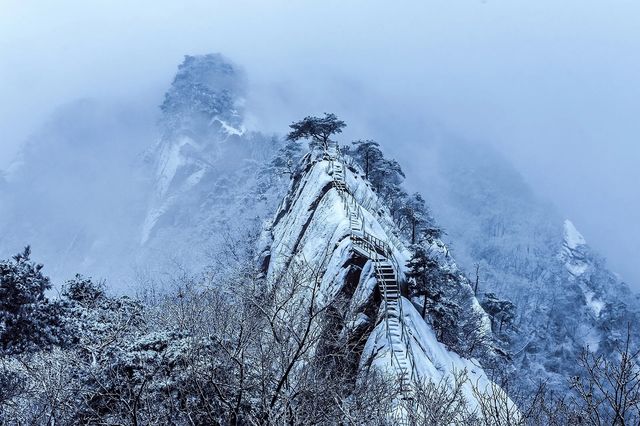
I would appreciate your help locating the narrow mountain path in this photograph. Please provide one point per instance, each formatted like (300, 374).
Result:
(386, 270)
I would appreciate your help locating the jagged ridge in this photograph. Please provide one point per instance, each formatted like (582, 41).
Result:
(322, 223)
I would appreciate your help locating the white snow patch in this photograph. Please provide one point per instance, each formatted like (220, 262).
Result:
(229, 129)
(572, 237)
(572, 254)
(170, 161)
(593, 303)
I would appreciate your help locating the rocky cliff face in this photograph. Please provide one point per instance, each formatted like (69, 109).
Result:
(607, 304)
(332, 225)
(209, 172)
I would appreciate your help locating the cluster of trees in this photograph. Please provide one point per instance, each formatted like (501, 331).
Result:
(409, 211)
(502, 312)
(28, 320)
(199, 355)
(447, 301)
(385, 174)
(238, 352)
(286, 159)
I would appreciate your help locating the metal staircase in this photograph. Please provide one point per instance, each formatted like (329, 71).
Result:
(386, 270)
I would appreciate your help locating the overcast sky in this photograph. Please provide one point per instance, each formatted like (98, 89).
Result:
(554, 85)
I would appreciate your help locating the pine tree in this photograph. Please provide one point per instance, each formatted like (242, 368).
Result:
(367, 154)
(502, 312)
(428, 281)
(287, 157)
(431, 282)
(415, 216)
(84, 291)
(318, 129)
(387, 178)
(28, 321)
(420, 267)
(385, 175)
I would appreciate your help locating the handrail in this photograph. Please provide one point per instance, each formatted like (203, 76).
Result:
(372, 203)
(374, 245)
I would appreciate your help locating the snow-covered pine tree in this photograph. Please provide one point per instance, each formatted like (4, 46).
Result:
(287, 158)
(84, 291)
(502, 312)
(414, 217)
(385, 174)
(367, 154)
(28, 320)
(428, 281)
(317, 129)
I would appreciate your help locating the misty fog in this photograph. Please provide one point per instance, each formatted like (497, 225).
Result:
(552, 86)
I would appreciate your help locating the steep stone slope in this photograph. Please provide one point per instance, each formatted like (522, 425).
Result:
(207, 168)
(332, 225)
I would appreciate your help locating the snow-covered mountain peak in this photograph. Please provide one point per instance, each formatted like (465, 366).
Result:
(207, 92)
(203, 138)
(333, 223)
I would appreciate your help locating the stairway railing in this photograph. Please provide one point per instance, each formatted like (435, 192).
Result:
(378, 251)
(370, 203)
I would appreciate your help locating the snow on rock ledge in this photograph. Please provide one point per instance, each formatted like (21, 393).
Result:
(311, 227)
(572, 253)
(572, 237)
